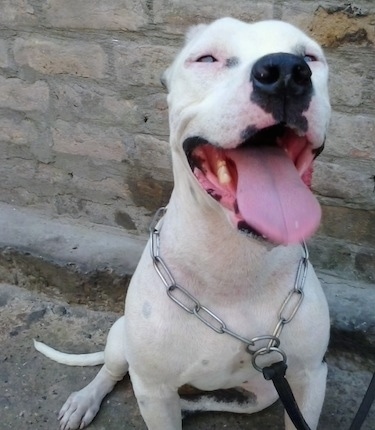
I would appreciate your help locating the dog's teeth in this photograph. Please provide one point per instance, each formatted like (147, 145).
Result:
(223, 173)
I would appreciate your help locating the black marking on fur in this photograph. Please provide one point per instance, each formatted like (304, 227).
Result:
(187, 414)
(232, 62)
(231, 395)
(319, 150)
(245, 228)
(265, 137)
(249, 132)
(213, 194)
(193, 142)
(288, 111)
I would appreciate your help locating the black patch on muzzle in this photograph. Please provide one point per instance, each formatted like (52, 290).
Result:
(264, 137)
(193, 142)
(232, 62)
(282, 87)
(319, 150)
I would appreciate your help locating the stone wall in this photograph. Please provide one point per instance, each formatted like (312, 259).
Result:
(83, 117)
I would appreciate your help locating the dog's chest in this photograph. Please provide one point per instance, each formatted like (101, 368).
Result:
(211, 360)
(220, 361)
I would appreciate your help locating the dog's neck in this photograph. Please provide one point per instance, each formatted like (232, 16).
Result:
(197, 235)
(191, 232)
(219, 260)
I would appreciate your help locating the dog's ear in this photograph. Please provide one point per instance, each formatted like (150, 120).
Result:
(194, 31)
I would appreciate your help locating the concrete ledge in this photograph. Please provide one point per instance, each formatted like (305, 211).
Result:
(82, 262)
(352, 313)
(89, 246)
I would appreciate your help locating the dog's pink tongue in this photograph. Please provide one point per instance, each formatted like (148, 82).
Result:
(271, 196)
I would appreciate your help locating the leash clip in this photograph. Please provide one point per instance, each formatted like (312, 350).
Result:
(265, 351)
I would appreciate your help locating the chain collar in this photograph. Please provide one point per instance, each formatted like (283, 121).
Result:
(191, 304)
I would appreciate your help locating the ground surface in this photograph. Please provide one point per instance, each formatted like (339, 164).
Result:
(33, 388)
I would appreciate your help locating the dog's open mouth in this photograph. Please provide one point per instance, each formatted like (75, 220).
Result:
(263, 183)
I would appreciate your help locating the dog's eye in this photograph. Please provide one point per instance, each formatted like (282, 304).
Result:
(309, 58)
(207, 59)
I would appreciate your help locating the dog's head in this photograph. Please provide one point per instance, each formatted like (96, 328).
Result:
(249, 110)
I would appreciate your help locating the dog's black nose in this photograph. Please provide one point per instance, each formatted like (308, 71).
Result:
(281, 75)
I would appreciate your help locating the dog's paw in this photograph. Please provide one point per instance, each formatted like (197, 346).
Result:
(79, 410)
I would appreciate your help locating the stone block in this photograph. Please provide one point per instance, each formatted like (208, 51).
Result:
(331, 24)
(16, 176)
(142, 64)
(23, 97)
(127, 15)
(368, 96)
(146, 148)
(17, 132)
(154, 111)
(87, 140)
(149, 193)
(329, 254)
(92, 169)
(365, 265)
(103, 191)
(351, 135)
(52, 56)
(348, 77)
(4, 57)
(91, 102)
(149, 172)
(124, 213)
(17, 14)
(175, 16)
(345, 182)
(298, 13)
(343, 23)
(350, 225)
(349, 261)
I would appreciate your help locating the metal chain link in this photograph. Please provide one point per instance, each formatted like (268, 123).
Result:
(191, 304)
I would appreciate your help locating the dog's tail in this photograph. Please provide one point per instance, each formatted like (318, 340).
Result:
(91, 359)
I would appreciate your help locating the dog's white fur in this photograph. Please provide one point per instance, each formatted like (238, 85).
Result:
(242, 279)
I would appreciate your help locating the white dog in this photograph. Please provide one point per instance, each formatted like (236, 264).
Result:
(249, 110)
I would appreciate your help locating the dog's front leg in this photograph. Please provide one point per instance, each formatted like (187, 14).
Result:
(308, 387)
(160, 405)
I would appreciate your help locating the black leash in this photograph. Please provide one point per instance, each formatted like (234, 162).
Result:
(276, 374)
(365, 406)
